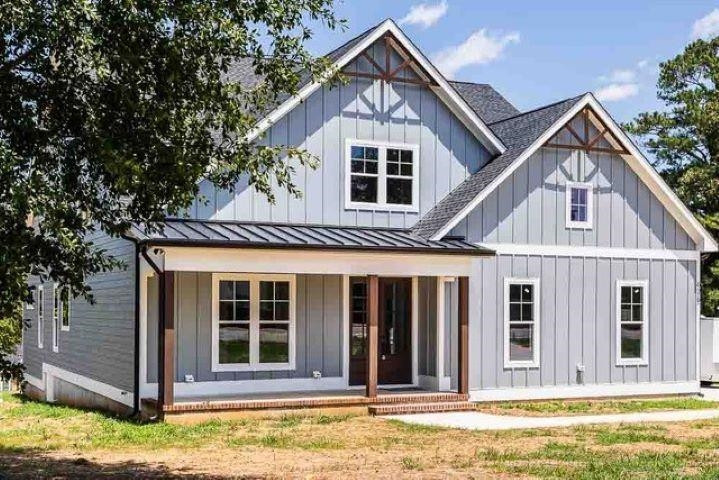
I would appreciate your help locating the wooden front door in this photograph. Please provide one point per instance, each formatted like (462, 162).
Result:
(395, 331)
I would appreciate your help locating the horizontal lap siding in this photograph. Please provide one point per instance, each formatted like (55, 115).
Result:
(100, 342)
(367, 110)
(578, 320)
(529, 207)
(318, 330)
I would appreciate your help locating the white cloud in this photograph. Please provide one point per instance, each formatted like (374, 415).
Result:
(478, 49)
(616, 91)
(706, 27)
(642, 64)
(619, 76)
(425, 14)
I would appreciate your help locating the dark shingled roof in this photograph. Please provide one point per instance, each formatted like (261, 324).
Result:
(517, 133)
(487, 102)
(219, 233)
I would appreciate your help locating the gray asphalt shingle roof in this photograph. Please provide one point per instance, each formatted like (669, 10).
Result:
(320, 237)
(517, 133)
(487, 102)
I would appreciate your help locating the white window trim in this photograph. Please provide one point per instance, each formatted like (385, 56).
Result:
(254, 364)
(381, 176)
(65, 328)
(644, 360)
(40, 316)
(31, 305)
(534, 363)
(588, 224)
(56, 306)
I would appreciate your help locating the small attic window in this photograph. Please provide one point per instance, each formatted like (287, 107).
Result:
(579, 205)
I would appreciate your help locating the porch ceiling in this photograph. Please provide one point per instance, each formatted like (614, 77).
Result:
(217, 233)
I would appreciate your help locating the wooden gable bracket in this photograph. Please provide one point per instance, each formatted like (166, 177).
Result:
(386, 73)
(587, 143)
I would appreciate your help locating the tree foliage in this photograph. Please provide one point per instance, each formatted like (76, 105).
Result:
(684, 139)
(112, 111)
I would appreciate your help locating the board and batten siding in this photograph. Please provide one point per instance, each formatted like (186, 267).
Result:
(319, 334)
(578, 320)
(363, 109)
(529, 207)
(100, 343)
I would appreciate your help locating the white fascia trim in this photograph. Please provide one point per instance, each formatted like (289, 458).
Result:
(34, 381)
(635, 159)
(448, 94)
(591, 252)
(100, 388)
(583, 391)
(237, 387)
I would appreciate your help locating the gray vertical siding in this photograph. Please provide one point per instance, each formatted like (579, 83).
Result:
(318, 330)
(366, 110)
(100, 343)
(529, 207)
(578, 320)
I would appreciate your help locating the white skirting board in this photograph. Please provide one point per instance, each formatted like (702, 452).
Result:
(35, 382)
(583, 391)
(100, 388)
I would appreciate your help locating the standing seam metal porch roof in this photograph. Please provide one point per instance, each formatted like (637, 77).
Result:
(218, 233)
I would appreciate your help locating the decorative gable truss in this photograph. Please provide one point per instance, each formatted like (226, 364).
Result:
(586, 131)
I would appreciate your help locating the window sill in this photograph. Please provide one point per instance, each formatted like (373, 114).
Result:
(520, 365)
(64, 329)
(632, 362)
(579, 226)
(382, 207)
(259, 367)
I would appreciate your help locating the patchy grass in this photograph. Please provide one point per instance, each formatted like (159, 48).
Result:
(588, 407)
(39, 440)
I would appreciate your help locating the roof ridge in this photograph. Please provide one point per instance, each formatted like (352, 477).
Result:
(538, 108)
(467, 82)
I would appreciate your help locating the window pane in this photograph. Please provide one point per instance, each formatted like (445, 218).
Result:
(226, 312)
(515, 312)
(242, 290)
(242, 311)
(392, 168)
(407, 156)
(267, 311)
(527, 293)
(399, 191)
(274, 343)
(65, 314)
(625, 313)
(226, 290)
(582, 196)
(364, 189)
(282, 290)
(267, 290)
(406, 170)
(515, 292)
(631, 337)
(282, 310)
(637, 313)
(636, 294)
(370, 167)
(357, 152)
(358, 340)
(520, 342)
(234, 343)
(392, 155)
(359, 288)
(357, 166)
(527, 312)
(626, 294)
(370, 153)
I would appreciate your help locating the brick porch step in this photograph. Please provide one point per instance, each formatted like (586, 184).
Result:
(407, 408)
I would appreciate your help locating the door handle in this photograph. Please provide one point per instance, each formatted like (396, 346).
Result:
(384, 357)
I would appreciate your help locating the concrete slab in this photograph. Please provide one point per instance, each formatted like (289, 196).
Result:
(485, 421)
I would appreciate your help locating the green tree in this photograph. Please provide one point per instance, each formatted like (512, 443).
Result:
(684, 140)
(10, 336)
(112, 111)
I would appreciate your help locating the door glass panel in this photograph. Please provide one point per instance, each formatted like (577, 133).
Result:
(396, 321)
(358, 289)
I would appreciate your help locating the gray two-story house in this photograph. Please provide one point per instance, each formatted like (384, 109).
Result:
(448, 249)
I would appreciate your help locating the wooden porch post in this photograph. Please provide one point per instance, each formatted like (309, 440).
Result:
(166, 342)
(463, 341)
(372, 334)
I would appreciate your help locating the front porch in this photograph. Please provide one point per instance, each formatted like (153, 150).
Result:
(252, 329)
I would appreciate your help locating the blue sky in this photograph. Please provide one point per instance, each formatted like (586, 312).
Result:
(535, 56)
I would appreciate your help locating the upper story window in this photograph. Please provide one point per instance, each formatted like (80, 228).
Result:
(632, 322)
(579, 205)
(382, 176)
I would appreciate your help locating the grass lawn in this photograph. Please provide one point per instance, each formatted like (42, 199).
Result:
(38, 440)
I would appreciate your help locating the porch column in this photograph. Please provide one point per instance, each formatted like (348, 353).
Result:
(166, 342)
(463, 340)
(372, 334)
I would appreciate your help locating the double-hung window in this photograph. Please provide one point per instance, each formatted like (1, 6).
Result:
(579, 205)
(65, 309)
(40, 316)
(56, 309)
(382, 176)
(521, 322)
(253, 322)
(632, 322)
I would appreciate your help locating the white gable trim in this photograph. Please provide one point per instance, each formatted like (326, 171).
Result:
(444, 90)
(636, 160)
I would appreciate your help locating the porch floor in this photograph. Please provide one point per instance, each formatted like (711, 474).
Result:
(305, 399)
